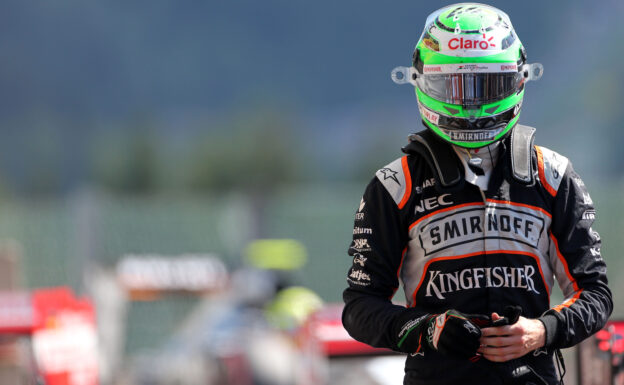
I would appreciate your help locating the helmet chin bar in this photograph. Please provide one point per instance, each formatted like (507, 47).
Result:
(474, 136)
(408, 75)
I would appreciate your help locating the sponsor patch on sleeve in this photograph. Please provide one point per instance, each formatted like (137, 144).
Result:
(393, 179)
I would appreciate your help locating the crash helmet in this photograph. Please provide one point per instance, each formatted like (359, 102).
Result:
(469, 70)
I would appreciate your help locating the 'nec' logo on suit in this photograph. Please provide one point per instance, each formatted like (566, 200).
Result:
(429, 204)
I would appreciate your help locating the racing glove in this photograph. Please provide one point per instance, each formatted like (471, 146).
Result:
(452, 333)
(510, 316)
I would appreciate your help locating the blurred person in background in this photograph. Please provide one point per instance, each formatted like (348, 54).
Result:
(476, 222)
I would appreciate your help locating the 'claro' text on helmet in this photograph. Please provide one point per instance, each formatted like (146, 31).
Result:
(461, 43)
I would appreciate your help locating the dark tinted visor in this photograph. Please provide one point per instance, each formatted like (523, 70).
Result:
(470, 88)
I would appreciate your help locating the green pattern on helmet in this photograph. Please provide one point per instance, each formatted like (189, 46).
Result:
(485, 110)
(469, 33)
(473, 17)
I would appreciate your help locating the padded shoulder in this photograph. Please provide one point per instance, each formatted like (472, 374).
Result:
(551, 167)
(440, 156)
(397, 180)
(521, 142)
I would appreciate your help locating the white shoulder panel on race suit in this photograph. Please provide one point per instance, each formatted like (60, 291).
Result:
(551, 167)
(396, 178)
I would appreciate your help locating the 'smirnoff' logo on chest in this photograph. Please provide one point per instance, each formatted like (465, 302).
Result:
(446, 230)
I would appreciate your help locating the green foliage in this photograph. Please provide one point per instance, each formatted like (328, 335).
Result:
(256, 152)
(127, 165)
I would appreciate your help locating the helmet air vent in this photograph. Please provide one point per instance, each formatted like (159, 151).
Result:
(492, 109)
(453, 111)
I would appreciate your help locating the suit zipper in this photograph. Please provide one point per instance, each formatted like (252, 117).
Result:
(485, 256)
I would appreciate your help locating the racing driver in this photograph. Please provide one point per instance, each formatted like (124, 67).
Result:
(476, 222)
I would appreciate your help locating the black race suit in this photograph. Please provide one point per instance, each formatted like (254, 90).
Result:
(475, 253)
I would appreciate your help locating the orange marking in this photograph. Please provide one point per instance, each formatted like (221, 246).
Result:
(542, 176)
(568, 302)
(408, 182)
(419, 343)
(521, 205)
(575, 285)
(564, 263)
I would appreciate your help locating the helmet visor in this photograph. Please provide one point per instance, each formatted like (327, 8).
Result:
(470, 88)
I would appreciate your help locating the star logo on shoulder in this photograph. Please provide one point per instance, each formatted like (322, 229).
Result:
(389, 173)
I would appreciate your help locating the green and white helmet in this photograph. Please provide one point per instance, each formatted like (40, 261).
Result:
(469, 69)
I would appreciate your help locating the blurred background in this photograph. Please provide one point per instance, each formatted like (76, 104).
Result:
(155, 130)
